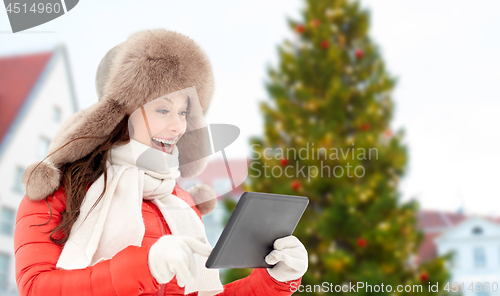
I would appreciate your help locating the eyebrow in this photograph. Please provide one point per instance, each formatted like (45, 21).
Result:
(169, 100)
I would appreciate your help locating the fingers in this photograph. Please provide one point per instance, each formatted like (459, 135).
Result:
(274, 257)
(174, 255)
(287, 242)
(279, 255)
(197, 246)
(183, 275)
(294, 262)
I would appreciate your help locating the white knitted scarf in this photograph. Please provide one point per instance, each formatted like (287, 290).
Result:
(135, 172)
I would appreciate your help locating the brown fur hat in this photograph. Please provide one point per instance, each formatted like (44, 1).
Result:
(148, 65)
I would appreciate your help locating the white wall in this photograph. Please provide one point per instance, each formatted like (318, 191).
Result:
(22, 149)
(462, 240)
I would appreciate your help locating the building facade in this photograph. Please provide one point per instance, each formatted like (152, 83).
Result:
(474, 242)
(36, 96)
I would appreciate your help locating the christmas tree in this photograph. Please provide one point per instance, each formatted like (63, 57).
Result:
(327, 136)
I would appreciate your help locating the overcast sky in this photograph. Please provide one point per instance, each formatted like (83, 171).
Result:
(445, 54)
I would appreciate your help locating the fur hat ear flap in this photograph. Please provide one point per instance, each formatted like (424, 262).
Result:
(41, 180)
(204, 197)
(194, 150)
(78, 136)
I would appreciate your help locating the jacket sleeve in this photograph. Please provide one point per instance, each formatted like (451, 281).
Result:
(260, 283)
(36, 256)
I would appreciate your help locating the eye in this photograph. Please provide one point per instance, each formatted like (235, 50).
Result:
(184, 113)
(162, 111)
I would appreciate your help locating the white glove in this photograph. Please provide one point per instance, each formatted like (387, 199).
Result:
(291, 256)
(174, 255)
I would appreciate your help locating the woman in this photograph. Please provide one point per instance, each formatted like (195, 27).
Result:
(103, 214)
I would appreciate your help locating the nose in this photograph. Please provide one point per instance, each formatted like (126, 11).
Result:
(175, 124)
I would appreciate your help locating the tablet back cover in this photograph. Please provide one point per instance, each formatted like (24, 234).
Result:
(256, 222)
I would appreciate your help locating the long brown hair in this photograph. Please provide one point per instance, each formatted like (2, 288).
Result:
(78, 175)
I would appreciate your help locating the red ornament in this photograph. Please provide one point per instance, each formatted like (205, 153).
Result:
(424, 276)
(295, 185)
(315, 22)
(362, 242)
(359, 53)
(388, 133)
(300, 28)
(324, 44)
(365, 126)
(284, 161)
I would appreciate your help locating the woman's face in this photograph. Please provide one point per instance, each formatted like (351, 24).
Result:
(161, 123)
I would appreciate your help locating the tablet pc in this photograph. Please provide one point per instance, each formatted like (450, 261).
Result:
(256, 222)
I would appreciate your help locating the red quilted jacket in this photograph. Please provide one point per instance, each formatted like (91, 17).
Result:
(127, 273)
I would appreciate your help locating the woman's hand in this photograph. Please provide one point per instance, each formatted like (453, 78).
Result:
(291, 256)
(174, 255)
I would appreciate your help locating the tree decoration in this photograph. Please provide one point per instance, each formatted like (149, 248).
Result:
(341, 40)
(361, 242)
(313, 258)
(284, 162)
(311, 105)
(365, 126)
(316, 23)
(423, 276)
(299, 29)
(338, 266)
(324, 44)
(359, 54)
(295, 185)
(329, 12)
(334, 12)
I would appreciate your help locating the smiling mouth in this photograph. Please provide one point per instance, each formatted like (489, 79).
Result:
(164, 145)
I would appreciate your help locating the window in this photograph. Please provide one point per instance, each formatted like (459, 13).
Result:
(18, 180)
(43, 147)
(455, 259)
(479, 257)
(477, 230)
(7, 219)
(56, 114)
(4, 269)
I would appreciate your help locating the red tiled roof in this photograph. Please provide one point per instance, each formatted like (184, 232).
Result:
(18, 75)
(427, 249)
(437, 219)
